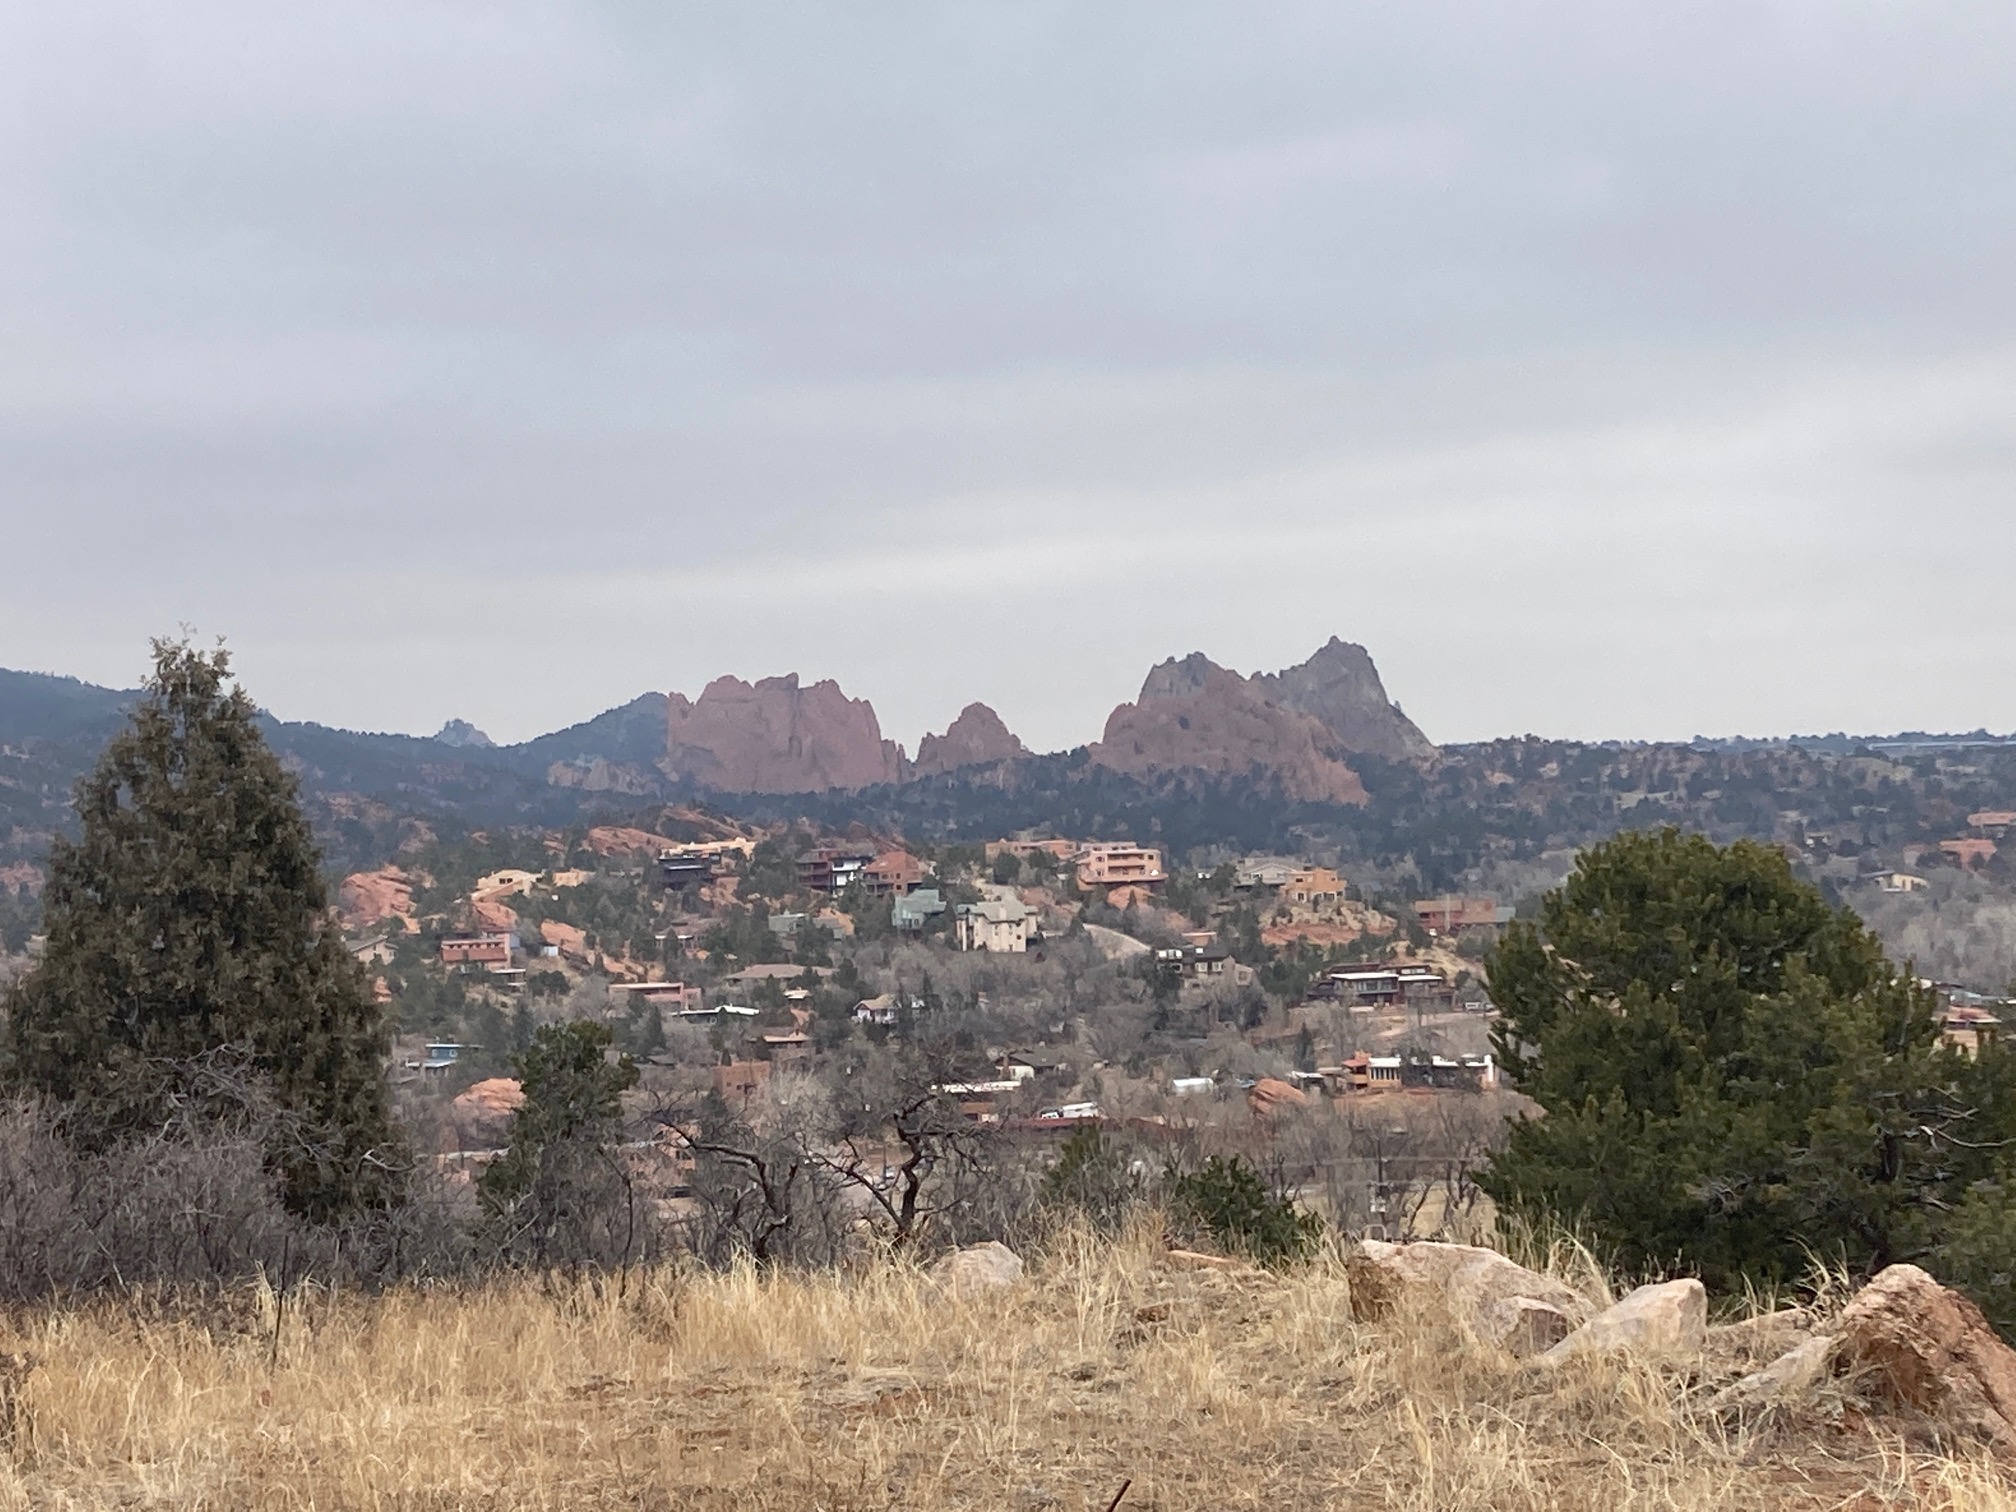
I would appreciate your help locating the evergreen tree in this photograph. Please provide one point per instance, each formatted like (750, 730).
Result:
(193, 967)
(555, 1194)
(1735, 1079)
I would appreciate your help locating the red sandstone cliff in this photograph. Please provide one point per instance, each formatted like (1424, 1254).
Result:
(976, 738)
(1195, 715)
(776, 737)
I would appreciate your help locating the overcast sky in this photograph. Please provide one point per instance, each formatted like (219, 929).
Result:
(1608, 371)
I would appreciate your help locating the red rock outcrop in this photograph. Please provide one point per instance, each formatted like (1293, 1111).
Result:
(618, 840)
(365, 899)
(1195, 715)
(776, 737)
(482, 1114)
(1340, 688)
(488, 913)
(1915, 1345)
(23, 878)
(976, 738)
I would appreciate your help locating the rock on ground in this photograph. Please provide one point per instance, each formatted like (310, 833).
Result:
(1666, 1320)
(1758, 1340)
(978, 1268)
(1792, 1375)
(1913, 1344)
(1499, 1301)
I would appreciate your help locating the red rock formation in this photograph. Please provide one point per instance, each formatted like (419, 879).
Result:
(1919, 1347)
(364, 899)
(482, 1114)
(1194, 715)
(488, 913)
(976, 738)
(23, 878)
(616, 840)
(776, 737)
(1340, 687)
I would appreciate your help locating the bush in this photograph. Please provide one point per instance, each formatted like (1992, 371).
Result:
(1092, 1177)
(1230, 1202)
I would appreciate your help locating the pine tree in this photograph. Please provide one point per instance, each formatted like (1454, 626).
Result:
(193, 967)
(1735, 1078)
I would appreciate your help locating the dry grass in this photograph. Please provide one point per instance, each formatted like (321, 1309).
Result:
(1206, 1389)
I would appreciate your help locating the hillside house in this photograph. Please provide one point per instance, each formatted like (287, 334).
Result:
(1898, 881)
(1969, 850)
(1199, 967)
(1993, 821)
(775, 971)
(484, 950)
(999, 924)
(509, 883)
(876, 1010)
(1369, 988)
(1314, 887)
(677, 869)
(1022, 850)
(738, 1081)
(1967, 1027)
(1447, 915)
(910, 912)
(789, 1047)
(1119, 863)
(892, 873)
(1032, 1065)
(832, 868)
(1265, 871)
(677, 996)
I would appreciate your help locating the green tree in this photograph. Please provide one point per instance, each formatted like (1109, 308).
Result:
(192, 962)
(1734, 1078)
(1231, 1202)
(1093, 1177)
(557, 1193)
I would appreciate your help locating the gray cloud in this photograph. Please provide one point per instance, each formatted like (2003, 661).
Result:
(1606, 373)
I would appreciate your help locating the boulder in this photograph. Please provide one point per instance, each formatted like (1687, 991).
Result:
(1500, 1302)
(1914, 1345)
(1667, 1320)
(1757, 1340)
(483, 1112)
(978, 1268)
(1791, 1376)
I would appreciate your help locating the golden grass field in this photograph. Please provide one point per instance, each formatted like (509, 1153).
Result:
(1203, 1388)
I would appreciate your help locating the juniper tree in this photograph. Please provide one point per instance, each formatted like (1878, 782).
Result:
(1735, 1079)
(193, 969)
(559, 1194)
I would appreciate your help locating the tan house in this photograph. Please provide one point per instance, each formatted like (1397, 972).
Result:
(1315, 887)
(738, 1081)
(1000, 923)
(1119, 863)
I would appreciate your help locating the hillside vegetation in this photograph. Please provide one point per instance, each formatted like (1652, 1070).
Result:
(1108, 1365)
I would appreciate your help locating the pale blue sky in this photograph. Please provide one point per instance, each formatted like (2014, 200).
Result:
(1608, 371)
